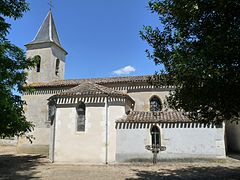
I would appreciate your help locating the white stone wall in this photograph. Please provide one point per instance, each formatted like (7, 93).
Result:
(36, 111)
(115, 112)
(89, 146)
(85, 147)
(179, 142)
(8, 141)
(131, 144)
(39, 145)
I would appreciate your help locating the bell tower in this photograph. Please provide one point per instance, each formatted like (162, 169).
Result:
(49, 53)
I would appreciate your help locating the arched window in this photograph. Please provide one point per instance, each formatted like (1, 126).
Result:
(155, 104)
(155, 134)
(81, 109)
(38, 61)
(57, 67)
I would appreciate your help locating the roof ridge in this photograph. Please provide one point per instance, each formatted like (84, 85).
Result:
(101, 81)
(91, 88)
(115, 77)
(102, 88)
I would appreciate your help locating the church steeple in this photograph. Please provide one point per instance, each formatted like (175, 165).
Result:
(47, 32)
(50, 54)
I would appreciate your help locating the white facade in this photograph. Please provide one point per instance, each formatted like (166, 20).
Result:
(97, 143)
(180, 141)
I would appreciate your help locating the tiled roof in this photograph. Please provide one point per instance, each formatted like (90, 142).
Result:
(102, 81)
(151, 117)
(89, 88)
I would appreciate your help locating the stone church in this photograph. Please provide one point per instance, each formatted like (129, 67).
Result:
(105, 120)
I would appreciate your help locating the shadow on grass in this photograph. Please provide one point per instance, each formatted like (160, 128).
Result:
(217, 172)
(19, 167)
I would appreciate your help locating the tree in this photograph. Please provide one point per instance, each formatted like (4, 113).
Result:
(198, 42)
(12, 75)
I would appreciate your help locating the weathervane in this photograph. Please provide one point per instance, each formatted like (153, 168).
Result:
(50, 5)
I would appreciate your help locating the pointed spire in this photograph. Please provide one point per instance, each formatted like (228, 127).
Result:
(47, 32)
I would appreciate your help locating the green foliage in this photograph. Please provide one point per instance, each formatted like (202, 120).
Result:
(12, 76)
(198, 43)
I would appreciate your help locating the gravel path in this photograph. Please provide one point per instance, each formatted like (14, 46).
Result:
(16, 167)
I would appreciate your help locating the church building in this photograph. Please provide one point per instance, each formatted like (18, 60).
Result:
(105, 120)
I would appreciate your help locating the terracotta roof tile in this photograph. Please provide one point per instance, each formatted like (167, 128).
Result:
(89, 88)
(102, 81)
(162, 116)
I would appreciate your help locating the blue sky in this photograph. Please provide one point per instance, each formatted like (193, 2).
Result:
(101, 36)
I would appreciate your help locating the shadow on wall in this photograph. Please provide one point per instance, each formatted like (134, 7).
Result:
(217, 172)
(19, 167)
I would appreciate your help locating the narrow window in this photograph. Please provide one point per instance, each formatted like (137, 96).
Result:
(81, 109)
(155, 133)
(155, 104)
(51, 110)
(57, 66)
(38, 61)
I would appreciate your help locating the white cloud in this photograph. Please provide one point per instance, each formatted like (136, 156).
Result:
(125, 70)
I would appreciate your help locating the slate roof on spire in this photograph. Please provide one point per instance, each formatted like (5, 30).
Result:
(47, 32)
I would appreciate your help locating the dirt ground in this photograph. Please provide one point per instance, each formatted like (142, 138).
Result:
(13, 166)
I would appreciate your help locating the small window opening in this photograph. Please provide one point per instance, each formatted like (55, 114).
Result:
(38, 61)
(155, 104)
(51, 110)
(57, 67)
(81, 109)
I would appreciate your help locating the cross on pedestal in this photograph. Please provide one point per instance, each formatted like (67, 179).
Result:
(155, 148)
